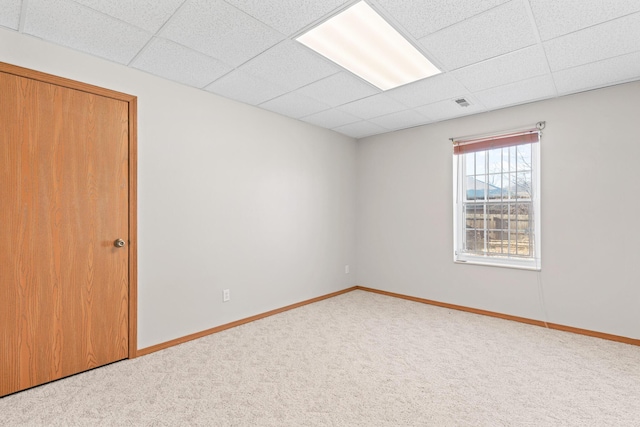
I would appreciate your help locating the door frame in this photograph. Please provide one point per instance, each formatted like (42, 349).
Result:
(132, 102)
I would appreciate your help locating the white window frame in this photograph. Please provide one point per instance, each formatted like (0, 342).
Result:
(459, 256)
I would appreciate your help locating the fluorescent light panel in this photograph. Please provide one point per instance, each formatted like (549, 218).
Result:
(364, 43)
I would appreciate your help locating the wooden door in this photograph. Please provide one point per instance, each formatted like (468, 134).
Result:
(64, 200)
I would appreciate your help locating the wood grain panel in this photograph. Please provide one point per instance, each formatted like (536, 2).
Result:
(133, 227)
(133, 204)
(68, 83)
(64, 190)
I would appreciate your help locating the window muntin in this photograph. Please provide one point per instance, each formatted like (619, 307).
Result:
(497, 205)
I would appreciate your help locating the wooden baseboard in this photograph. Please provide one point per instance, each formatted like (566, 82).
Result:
(610, 337)
(595, 334)
(571, 329)
(162, 346)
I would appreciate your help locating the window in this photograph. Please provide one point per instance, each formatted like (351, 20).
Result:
(497, 200)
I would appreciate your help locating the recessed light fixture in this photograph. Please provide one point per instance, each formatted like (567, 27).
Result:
(364, 43)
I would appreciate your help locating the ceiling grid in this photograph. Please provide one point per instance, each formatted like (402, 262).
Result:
(494, 53)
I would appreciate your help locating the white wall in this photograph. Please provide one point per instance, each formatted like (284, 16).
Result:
(590, 159)
(230, 196)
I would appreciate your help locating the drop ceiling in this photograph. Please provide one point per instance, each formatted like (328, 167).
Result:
(493, 53)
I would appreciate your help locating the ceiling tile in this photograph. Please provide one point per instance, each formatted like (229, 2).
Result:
(613, 38)
(290, 65)
(294, 105)
(489, 50)
(72, 25)
(10, 15)
(245, 88)
(400, 120)
(555, 18)
(427, 91)
(598, 74)
(360, 129)
(500, 30)
(509, 68)
(449, 109)
(218, 29)
(338, 89)
(540, 87)
(331, 118)
(287, 16)
(175, 62)
(421, 17)
(373, 106)
(149, 15)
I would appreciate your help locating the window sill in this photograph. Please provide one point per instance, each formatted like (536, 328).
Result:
(499, 264)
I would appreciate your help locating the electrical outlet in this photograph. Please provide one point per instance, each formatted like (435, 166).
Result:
(226, 296)
(346, 269)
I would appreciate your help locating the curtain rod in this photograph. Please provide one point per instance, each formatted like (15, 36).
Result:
(539, 126)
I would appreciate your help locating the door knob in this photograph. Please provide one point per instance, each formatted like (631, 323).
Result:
(119, 243)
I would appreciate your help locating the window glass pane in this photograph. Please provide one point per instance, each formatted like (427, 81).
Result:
(476, 188)
(471, 240)
(523, 223)
(495, 160)
(523, 181)
(494, 216)
(494, 242)
(471, 188)
(469, 161)
(495, 186)
(512, 244)
(482, 187)
(474, 216)
(512, 158)
(494, 179)
(513, 217)
(505, 159)
(523, 214)
(478, 236)
(522, 244)
(480, 162)
(497, 216)
(523, 153)
(505, 243)
(511, 184)
(504, 185)
(519, 217)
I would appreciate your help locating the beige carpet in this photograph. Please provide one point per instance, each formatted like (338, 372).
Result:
(359, 359)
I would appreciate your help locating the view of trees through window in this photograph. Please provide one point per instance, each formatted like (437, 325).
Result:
(498, 202)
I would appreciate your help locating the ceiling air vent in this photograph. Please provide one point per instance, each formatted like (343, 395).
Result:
(462, 102)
